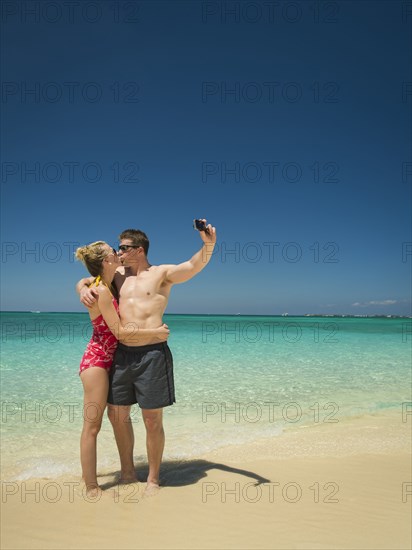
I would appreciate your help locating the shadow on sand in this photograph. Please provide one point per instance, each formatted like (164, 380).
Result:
(179, 473)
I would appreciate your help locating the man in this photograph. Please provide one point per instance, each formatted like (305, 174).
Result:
(143, 374)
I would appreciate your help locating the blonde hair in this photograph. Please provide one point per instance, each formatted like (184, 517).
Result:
(92, 255)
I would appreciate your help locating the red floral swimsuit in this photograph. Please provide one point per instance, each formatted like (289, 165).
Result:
(100, 350)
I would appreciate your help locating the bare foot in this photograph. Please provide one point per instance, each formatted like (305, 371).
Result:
(93, 492)
(127, 478)
(152, 488)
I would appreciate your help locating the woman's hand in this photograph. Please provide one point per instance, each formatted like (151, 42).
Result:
(162, 333)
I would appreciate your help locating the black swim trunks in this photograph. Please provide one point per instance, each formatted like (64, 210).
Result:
(143, 375)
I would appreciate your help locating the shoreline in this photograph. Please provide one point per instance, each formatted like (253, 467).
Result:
(376, 433)
(383, 432)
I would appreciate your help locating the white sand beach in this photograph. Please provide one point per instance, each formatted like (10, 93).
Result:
(341, 487)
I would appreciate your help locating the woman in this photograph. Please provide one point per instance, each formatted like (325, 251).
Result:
(101, 261)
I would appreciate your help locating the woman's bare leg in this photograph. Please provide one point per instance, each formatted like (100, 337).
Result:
(96, 385)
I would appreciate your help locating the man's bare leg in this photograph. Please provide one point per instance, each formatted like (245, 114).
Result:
(119, 416)
(155, 442)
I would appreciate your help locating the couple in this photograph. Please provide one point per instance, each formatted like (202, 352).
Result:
(126, 297)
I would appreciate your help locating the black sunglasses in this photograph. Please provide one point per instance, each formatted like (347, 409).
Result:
(124, 247)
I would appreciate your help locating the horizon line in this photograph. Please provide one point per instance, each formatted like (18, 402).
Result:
(387, 315)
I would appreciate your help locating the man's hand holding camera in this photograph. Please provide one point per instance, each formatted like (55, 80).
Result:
(207, 232)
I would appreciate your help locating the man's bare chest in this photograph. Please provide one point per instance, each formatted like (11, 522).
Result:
(143, 286)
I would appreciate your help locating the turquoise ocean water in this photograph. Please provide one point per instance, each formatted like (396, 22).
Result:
(238, 379)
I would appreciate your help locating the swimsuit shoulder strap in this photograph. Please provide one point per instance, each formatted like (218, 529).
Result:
(99, 280)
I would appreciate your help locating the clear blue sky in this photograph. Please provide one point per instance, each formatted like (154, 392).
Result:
(286, 124)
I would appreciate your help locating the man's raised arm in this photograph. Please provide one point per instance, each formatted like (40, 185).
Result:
(181, 273)
(87, 295)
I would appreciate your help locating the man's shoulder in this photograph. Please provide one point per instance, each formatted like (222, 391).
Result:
(159, 272)
(161, 269)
